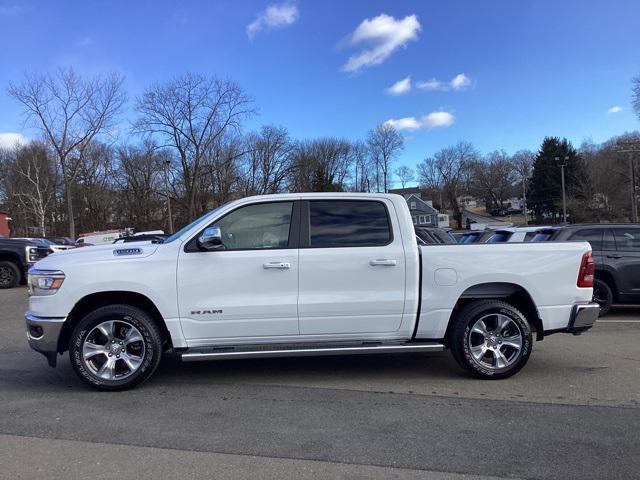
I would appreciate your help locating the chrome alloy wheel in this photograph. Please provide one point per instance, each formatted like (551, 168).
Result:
(495, 341)
(113, 350)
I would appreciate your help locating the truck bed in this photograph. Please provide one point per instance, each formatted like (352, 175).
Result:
(547, 272)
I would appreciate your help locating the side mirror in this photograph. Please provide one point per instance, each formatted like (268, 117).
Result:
(210, 239)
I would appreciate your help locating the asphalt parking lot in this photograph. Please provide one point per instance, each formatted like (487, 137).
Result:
(573, 412)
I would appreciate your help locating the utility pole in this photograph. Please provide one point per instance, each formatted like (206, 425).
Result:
(632, 147)
(167, 162)
(524, 200)
(564, 199)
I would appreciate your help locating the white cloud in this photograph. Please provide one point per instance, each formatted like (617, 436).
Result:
(406, 123)
(10, 140)
(400, 87)
(615, 109)
(432, 84)
(437, 119)
(459, 82)
(381, 36)
(274, 16)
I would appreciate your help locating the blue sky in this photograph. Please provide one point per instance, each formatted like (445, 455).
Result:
(530, 68)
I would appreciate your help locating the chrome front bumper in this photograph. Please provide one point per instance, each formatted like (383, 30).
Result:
(583, 317)
(43, 334)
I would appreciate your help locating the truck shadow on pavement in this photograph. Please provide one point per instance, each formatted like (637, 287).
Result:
(350, 367)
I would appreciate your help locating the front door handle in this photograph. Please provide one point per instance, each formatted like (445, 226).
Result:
(277, 265)
(614, 256)
(382, 262)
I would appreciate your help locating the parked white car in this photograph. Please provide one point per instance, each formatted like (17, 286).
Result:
(110, 236)
(304, 274)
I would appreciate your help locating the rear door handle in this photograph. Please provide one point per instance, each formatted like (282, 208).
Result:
(614, 256)
(277, 265)
(382, 262)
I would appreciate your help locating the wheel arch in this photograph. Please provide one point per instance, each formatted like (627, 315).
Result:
(512, 293)
(607, 277)
(96, 300)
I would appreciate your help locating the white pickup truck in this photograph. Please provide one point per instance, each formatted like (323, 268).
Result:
(304, 274)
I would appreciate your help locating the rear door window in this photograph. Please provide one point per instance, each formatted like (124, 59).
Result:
(593, 236)
(348, 223)
(627, 239)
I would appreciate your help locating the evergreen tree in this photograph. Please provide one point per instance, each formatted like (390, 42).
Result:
(545, 197)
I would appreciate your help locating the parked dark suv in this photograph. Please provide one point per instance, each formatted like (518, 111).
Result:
(616, 251)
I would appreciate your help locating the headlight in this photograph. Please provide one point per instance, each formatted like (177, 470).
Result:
(31, 254)
(44, 282)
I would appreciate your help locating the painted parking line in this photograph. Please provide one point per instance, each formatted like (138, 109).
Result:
(618, 321)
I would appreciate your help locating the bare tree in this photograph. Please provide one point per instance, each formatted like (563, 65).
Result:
(320, 165)
(220, 177)
(71, 111)
(140, 179)
(190, 114)
(447, 170)
(635, 99)
(492, 179)
(34, 182)
(405, 175)
(385, 143)
(363, 176)
(522, 162)
(267, 161)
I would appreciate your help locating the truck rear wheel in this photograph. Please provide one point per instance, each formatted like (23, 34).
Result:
(115, 347)
(9, 275)
(491, 339)
(602, 295)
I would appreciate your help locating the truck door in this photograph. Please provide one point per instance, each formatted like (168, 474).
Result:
(627, 259)
(352, 267)
(249, 286)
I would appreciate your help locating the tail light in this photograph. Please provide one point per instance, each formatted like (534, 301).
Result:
(587, 271)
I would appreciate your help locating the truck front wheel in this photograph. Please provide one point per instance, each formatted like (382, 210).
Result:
(9, 274)
(115, 347)
(491, 339)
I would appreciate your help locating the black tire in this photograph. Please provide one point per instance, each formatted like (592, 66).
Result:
(123, 315)
(603, 296)
(9, 274)
(461, 337)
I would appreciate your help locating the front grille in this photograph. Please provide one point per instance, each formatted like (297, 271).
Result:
(43, 252)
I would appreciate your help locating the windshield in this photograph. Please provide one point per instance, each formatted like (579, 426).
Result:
(499, 237)
(186, 228)
(469, 238)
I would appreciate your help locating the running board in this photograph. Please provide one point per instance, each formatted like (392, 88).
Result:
(313, 352)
